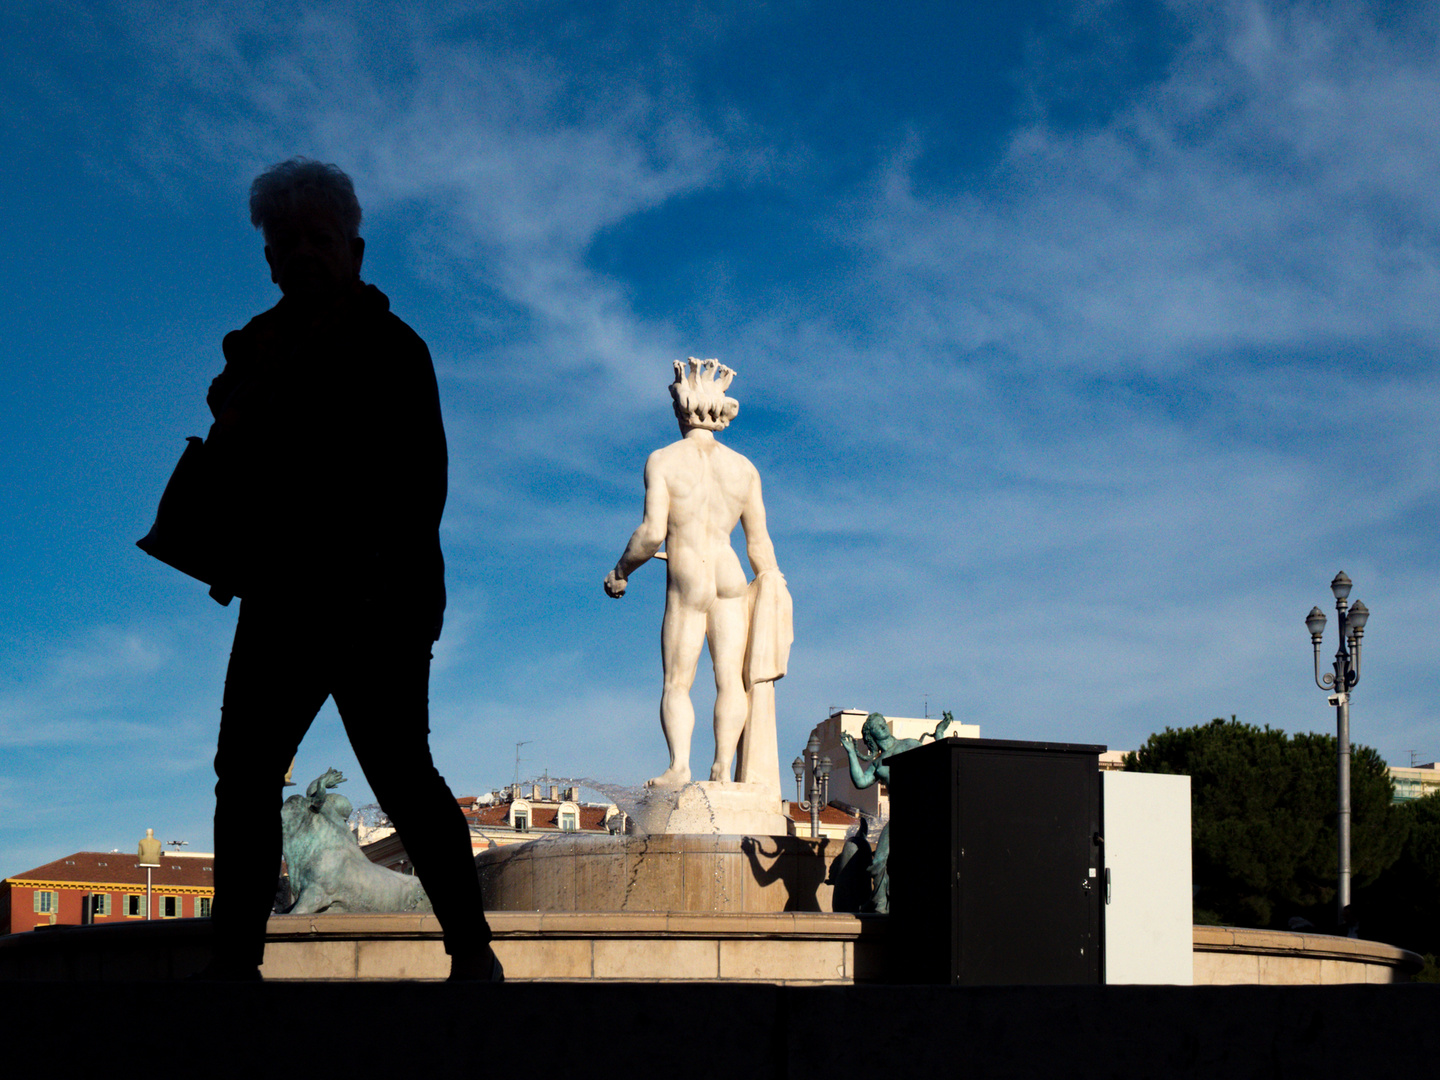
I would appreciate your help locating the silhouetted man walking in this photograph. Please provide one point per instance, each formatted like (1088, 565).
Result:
(329, 438)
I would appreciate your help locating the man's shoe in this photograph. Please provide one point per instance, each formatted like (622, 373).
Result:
(222, 972)
(476, 967)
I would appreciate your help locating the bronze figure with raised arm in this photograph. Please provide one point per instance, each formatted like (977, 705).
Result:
(875, 769)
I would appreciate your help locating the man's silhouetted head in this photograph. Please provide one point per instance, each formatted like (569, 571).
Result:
(311, 221)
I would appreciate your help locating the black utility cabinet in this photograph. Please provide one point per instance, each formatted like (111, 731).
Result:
(996, 864)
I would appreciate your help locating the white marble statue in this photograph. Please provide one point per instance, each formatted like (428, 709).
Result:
(696, 490)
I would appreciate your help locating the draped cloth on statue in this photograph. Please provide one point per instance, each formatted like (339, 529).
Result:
(770, 615)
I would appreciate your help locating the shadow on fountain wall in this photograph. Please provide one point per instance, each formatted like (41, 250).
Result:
(769, 867)
(667, 872)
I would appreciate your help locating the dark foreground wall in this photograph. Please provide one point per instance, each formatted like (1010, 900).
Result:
(748, 1032)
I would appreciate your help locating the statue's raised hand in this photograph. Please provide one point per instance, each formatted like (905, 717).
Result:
(316, 791)
(614, 585)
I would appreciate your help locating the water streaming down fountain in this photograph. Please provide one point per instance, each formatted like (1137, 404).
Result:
(698, 870)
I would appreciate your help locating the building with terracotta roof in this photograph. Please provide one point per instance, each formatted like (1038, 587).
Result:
(111, 885)
(513, 816)
(835, 823)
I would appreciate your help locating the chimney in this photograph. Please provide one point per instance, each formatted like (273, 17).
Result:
(554, 792)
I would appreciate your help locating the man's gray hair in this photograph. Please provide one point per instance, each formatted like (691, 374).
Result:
(303, 186)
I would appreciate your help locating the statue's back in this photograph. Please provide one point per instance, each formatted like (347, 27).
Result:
(708, 484)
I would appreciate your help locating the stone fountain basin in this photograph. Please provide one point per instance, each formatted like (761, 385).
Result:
(664, 872)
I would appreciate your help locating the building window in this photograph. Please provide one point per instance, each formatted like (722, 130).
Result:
(134, 905)
(47, 902)
(100, 903)
(202, 907)
(520, 815)
(569, 822)
(170, 907)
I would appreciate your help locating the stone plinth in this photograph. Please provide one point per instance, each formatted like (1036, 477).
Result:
(1237, 955)
(817, 947)
(710, 807)
(778, 947)
(680, 873)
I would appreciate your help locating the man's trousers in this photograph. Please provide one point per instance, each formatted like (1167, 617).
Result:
(288, 658)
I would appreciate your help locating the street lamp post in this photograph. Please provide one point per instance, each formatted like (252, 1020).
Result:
(819, 786)
(1340, 683)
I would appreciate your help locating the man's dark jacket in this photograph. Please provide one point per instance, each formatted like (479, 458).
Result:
(328, 433)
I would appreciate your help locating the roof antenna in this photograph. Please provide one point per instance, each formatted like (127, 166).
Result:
(517, 761)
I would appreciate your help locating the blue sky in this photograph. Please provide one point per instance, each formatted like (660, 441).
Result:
(1080, 344)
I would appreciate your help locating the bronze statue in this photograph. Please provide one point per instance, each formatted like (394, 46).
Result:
(328, 871)
(874, 768)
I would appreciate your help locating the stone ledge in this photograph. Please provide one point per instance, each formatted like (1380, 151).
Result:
(1236, 955)
(505, 924)
(1240, 939)
(791, 948)
(797, 948)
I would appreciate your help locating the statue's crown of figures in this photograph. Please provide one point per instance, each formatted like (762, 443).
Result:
(699, 393)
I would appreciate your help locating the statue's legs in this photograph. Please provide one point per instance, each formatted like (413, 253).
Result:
(726, 630)
(682, 635)
(879, 867)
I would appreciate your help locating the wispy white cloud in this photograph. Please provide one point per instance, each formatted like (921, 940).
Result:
(77, 694)
(507, 160)
(1272, 192)
(1058, 444)
(99, 732)
(110, 653)
(1120, 409)
(517, 160)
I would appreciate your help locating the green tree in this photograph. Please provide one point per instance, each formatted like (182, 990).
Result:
(1263, 813)
(1403, 905)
